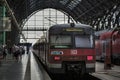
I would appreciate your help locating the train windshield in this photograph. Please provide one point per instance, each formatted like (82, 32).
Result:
(60, 41)
(84, 41)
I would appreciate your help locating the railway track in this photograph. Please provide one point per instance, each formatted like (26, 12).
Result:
(73, 77)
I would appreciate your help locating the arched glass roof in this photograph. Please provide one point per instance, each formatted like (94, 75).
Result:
(40, 20)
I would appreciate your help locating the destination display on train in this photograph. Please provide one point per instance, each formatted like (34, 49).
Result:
(74, 29)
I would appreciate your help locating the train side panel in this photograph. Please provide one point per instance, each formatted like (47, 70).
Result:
(103, 47)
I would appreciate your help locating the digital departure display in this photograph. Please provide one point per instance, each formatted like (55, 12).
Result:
(74, 30)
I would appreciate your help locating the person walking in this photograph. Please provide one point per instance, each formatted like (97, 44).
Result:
(4, 52)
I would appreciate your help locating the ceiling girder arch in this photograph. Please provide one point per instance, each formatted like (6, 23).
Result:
(86, 11)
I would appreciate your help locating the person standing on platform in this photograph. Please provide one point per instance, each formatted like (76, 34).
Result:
(1, 53)
(4, 51)
(21, 51)
(16, 52)
(27, 49)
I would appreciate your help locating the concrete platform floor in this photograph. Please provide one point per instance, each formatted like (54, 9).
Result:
(29, 69)
(25, 69)
(110, 74)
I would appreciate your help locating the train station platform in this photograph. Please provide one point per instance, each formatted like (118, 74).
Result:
(110, 74)
(25, 69)
(29, 69)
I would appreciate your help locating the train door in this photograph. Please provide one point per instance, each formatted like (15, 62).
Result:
(103, 50)
(98, 44)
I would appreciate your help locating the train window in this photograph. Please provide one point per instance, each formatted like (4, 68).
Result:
(60, 41)
(84, 41)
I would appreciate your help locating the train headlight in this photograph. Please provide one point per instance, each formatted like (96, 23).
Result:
(89, 58)
(56, 58)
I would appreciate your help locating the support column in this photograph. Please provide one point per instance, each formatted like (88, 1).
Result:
(2, 32)
(107, 62)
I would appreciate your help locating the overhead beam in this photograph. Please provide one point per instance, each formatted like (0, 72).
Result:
(35, 29)
(98, 4)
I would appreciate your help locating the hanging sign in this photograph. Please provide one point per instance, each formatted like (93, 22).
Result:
(5, 24)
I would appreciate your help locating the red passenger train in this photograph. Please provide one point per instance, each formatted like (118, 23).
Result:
(67, 47)
(104, 45)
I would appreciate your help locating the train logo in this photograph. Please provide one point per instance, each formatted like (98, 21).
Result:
(73, 52)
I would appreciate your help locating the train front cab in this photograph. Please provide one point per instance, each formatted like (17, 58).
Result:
(72, 52)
